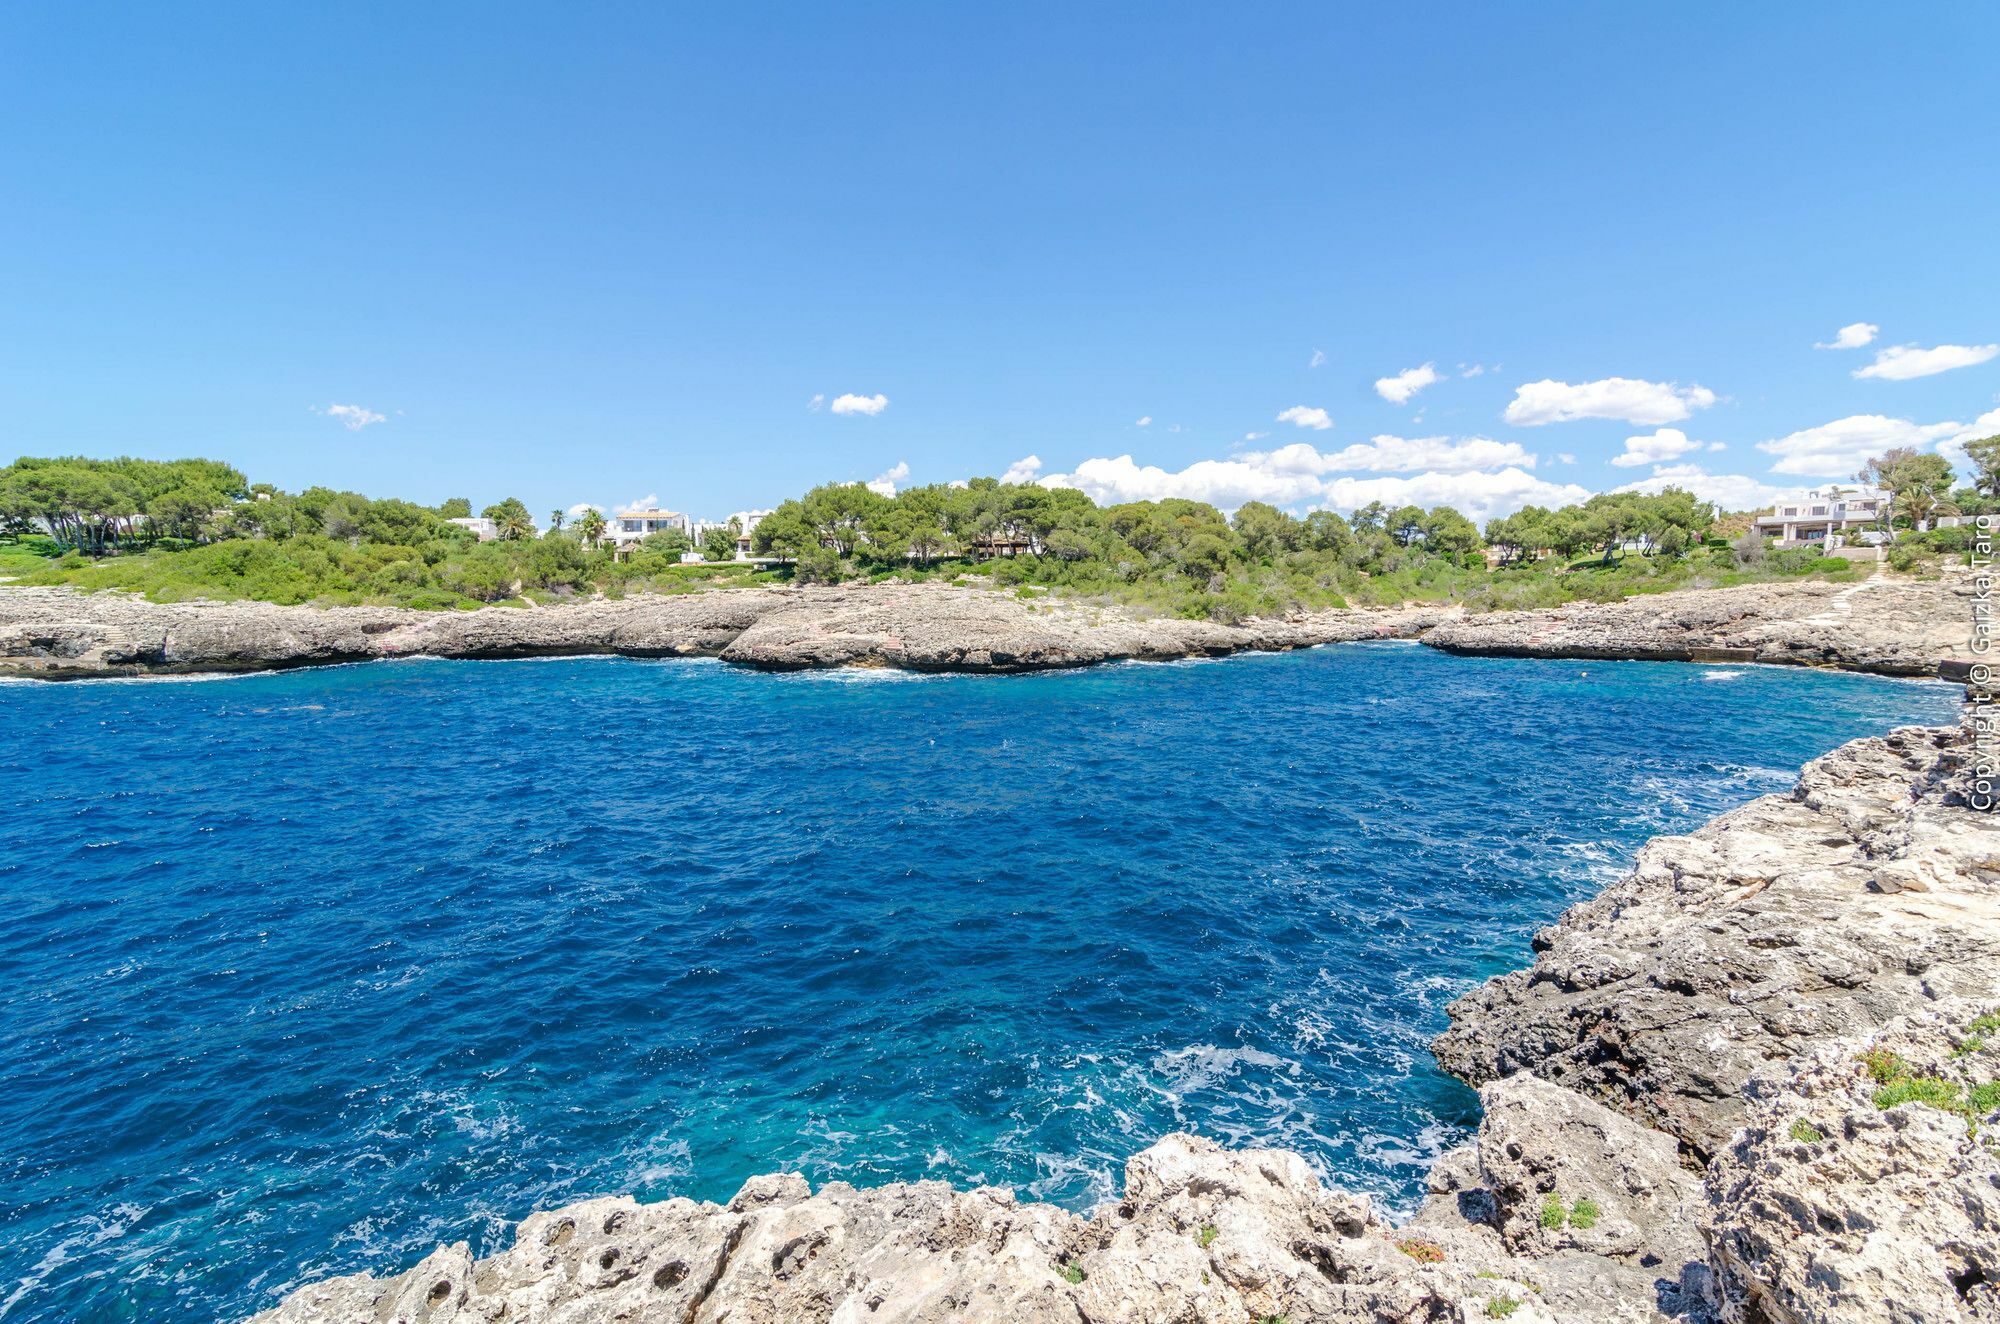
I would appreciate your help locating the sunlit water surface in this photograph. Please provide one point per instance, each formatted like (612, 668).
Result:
(307, 973)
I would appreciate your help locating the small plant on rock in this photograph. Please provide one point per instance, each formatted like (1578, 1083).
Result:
(1583, 1214)
(1206, 1234)
(1554, 1214)
(1072, 1273)
(1500, 1307)
(1806, 1133)
(1884, 1066)
(1420, 1250)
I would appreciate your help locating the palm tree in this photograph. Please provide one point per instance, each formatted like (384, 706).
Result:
(555, 521)
(515, 526)
(591, 525)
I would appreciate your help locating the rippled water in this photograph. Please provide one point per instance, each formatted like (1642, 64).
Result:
(306, 973)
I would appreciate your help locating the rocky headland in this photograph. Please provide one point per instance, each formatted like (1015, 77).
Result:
(1751, 1082)
(1892, 626)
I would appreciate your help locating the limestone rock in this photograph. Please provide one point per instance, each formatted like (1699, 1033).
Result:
(59, 634)
(1829, 1209)
(1753, 939)
(1889, 625)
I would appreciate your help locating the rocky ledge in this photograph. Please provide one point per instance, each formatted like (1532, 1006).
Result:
(58, 634)
(1892, 626)
(1898, 627)
(1751, 1083)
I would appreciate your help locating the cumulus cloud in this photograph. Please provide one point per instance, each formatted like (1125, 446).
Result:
(870, 405)
(1665, 444)
(1478, 496)
(583, 508)
(1387, 454)
(650, 501)
(1401, 388)
(1317, 360)
(1839, 448)
(1852, 336)
(1729, 491)
(352, 417)
(1024, 470)
(818, 402)
(885, 482)
(1564, 457)
(1953, 447)
(1300, 476)
(1472, 370)
(1144, 421)
(1901, 363)
(1628, 399)
(1304, 417)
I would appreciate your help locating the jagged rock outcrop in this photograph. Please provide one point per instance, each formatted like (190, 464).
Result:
(59, 634)
(1867, 893)
(1890, 625)
(1897, 627)
(1829, 1206)
(1203, 1235)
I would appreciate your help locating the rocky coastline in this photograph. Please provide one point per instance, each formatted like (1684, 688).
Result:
(1888, 626)
(1684, 1119)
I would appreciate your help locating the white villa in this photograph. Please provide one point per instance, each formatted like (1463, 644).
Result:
(627, 529)
(629, 526)
(1827, 516)
(482, 528)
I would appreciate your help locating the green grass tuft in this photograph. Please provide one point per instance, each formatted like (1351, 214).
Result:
(1584, 1213)
(1554, 1213)
(1806, 1133)
(1205, 1236)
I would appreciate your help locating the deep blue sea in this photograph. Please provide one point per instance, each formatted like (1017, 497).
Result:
(306, 973)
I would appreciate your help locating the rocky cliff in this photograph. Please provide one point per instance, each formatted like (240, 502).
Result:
(1898, 627)
(1892, 626)
(1802, 992)
(59, 634)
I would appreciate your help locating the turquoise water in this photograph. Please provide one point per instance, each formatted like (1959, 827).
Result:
(306, 973)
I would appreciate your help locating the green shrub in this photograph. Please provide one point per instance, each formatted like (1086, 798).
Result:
(1205, 1235)
(1806, 1133)
(1584, 1213)
(1554, 1214)
(1501, 1307)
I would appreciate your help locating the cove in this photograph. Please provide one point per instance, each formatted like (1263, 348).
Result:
(307, 972)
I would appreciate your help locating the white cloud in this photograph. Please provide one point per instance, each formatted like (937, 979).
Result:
(352, 417)
(1986, 425)
(1625, 398)
(650, 501)
(1564, 457)
(1839, 448)
(885, 482)
(1387, 454)
(1472, 370)
(870, 405)
(1729, 491)
(1023, 470)
(1255, 436)
(1665, 444)
(1718, 445)
(1953, 448)
(1299, 476)
(583, 507)
(1145, 421)
(817, 403)
(1852, 336)
(1901, 363)
(1318, 359)
(1301, 416)
(1399, 390)
(1477, 496)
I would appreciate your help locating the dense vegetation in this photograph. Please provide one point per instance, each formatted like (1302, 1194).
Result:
(197, 528)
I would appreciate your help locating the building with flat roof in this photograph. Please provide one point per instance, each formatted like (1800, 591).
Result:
(1827, 516)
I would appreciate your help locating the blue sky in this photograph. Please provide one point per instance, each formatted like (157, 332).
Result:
(595, 252)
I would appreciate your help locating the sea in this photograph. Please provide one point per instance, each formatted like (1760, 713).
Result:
(306, 973)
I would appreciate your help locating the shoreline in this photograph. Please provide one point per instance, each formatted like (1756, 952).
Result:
(1901, 628)
(1643, 1086)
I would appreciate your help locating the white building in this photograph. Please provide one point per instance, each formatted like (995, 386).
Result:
(628, 527)
(740, 525)
(482, 528)
(1827, 516)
